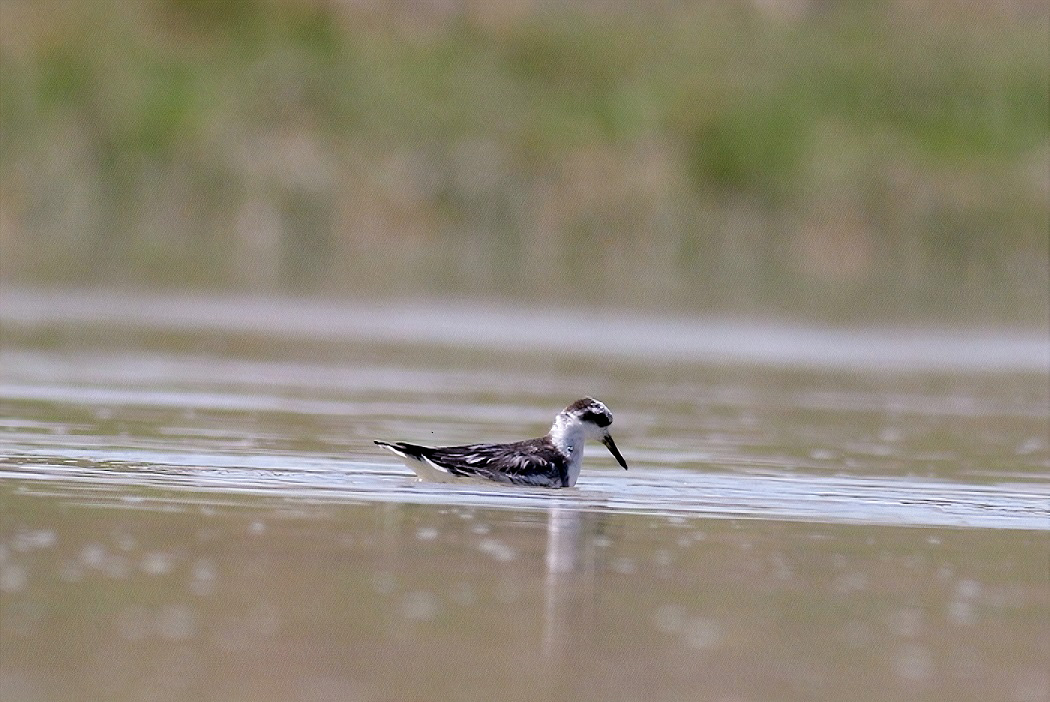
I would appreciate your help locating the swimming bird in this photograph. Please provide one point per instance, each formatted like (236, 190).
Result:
(551, 461)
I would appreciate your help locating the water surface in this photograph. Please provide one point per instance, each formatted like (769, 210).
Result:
(193, 508)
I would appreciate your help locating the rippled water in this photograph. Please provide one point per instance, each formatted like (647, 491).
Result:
(193, 508)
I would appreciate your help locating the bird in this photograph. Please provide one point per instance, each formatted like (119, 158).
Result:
(551, 461)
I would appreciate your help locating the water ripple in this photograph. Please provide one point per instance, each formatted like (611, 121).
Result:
(168, 481)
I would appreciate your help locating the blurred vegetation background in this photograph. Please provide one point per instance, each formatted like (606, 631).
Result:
(839, 161)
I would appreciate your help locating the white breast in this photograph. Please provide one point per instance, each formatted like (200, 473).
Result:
(575, 464)
(569, 435)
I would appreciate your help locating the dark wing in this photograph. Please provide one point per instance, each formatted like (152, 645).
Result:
(532, 462)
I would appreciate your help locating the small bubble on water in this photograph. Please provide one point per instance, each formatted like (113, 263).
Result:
(961, 612)
(420, 606)
(601, 542)
(822, 454)
(782, 569)
(93, 556)
(256, 528)
(426, 534)
(497, 550)
(481, 529)
(156, 563)
(624, 566)
(34, 540)
(968, 588)
(1031, 446)
(203, 578)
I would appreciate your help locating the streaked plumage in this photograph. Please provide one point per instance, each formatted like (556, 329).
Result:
(551, 461)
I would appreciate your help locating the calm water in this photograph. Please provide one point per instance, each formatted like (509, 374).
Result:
(193, 508)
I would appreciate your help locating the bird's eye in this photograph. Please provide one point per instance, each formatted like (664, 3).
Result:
(595, 417)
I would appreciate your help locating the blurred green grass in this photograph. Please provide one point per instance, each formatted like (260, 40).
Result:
(857, 161)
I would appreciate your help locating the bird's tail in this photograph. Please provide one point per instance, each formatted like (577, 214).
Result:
(405, 450)
(416, 459)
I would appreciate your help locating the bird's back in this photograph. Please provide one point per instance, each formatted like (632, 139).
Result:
(532, 462)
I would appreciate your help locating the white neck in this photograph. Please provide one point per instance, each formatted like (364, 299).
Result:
(569, 435)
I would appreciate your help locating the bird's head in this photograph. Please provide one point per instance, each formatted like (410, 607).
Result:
(594, 418)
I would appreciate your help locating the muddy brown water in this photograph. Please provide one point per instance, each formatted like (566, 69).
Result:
(192, 508)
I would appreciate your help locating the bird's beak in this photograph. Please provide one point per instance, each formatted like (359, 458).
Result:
(611, 445)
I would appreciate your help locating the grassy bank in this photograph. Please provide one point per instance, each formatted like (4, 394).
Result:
(870, 162)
